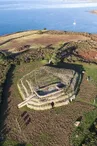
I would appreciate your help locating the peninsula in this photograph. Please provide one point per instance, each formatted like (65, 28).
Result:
(48, 88)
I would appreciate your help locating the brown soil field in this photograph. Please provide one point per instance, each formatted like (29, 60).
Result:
(94, 37)
(88, 54)
(14, 41)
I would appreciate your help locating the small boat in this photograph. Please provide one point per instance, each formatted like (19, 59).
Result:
(74, 23)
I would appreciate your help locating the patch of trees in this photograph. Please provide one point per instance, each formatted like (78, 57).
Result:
(32, 55)
(69, 52)
(13, 143)
(86, 133)
(4, 67)
(91, 138)
(66, 50)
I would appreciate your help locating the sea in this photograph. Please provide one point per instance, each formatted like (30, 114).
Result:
(17, 16)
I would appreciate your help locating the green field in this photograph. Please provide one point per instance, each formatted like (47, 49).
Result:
(91, 70)
(79, 135)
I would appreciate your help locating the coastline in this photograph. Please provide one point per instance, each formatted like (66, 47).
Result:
(93, 11)
(52, 31)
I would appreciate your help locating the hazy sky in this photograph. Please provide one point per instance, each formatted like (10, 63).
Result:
(50, 0)
(41, 4)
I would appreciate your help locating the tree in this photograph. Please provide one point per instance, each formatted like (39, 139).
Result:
(55, 59)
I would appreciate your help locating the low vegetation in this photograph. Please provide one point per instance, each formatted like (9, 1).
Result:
(13, 143)
(55, 126)
(85, 134)
(4, 67)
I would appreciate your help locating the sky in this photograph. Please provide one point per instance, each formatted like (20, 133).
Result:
(41, 4)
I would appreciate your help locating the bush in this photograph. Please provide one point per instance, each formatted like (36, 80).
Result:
(40, 32)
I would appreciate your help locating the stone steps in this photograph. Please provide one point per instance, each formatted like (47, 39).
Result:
(41, 103)
(59, 101)
(48, 106)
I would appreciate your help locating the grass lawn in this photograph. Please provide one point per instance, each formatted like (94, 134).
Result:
(87, 94)
(8, 143)
(82, 131)
(91, 70)
(13, 143)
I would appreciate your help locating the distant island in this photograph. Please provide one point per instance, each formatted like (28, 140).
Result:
(94, 11)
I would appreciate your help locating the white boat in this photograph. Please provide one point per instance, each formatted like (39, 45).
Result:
(74, 23)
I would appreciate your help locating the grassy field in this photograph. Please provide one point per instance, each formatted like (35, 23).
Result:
(46, 128)
(88, 90)
(14, 42)
(83, 130)
(11, 92)
(52, 127)
(87, 94)
(13, 143)
(91, 70)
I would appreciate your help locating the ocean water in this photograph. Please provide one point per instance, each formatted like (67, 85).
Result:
(53, 18)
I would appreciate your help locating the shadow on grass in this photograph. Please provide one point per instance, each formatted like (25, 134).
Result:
(76, 67)
(4, 108)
